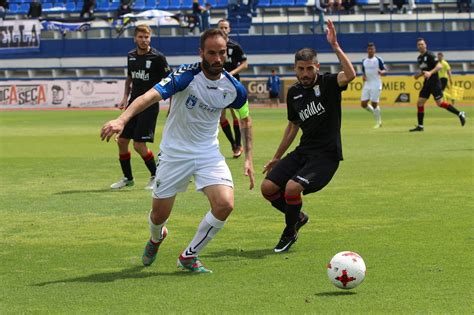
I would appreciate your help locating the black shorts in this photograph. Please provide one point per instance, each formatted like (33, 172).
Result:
(311, 172)
(432, 88)
(274, 95)
(444, 83)
(141, 128)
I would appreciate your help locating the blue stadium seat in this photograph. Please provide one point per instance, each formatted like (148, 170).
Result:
(222, 4)
(276, 3)
(47, 6)
(114, 6)
(24, 8)
(139, 5)
(71, 7)
(288, 3)
(102, 6)
(151, 4)
(263, 3)
(187, 4)
(13, 8)
(175, 5)
(163, 5)
(301, 3)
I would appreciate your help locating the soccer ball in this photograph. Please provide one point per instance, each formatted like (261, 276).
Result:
(346, 270)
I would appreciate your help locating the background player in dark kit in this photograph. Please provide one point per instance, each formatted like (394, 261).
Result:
(314, 106)
(146, 66)
(429, 67)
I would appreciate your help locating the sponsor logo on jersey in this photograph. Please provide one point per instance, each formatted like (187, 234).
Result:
(132, 58)
(207, 107)
(191, 102)
(317, 92)
(304, 180)
(211, 87)
(311, 110)
(141, 74)
(148, 64)
(297, 96)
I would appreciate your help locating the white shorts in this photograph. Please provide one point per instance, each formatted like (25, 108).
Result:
(372, 94)
(173, 175)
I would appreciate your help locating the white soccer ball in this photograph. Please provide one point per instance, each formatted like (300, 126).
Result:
(346, 270)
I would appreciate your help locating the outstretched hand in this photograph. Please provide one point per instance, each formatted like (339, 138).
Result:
(331, 34)
(248, 171)
(110, 128)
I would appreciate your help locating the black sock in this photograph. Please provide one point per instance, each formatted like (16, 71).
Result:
(126, 165)
(292, 215)
(238, 141)
(150, 163)
(420, 118)
(228, 132)
(452, 109)
(278, 201)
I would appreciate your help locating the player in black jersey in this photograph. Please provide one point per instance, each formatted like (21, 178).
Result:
(429, 67)
(146, 66)
(236, 62)
(314, 106)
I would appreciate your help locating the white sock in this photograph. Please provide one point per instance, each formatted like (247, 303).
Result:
(377, 115)
(369, 108)
(155, 230)
(207, 229)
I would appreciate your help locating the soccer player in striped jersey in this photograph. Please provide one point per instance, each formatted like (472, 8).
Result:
(373, 68)
(189, 147)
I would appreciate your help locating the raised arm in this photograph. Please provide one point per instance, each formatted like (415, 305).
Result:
(288, 136)
(138, 105)
(348, 73)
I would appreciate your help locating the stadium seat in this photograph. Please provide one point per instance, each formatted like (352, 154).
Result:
(24, 8)
(222, 3)
(187, 4)
(301, 3)
(212, 2)
(151, 4)
(175, 5)
(13, 8)
(47, 6)
(163, 5)
(263, 4)
(276, 3)
(102, 6)
(114, 6)
(71, 7)
(139, 5)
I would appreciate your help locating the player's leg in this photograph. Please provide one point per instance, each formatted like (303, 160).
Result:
(374, 99)
(238, 141)
(226, 128)
(125, 165)
(420, 107)
(172, 177)
(149, 160)
(159, 214)
(438, 96)
(364, 100)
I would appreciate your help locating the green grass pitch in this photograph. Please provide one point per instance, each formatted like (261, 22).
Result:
(68, 244)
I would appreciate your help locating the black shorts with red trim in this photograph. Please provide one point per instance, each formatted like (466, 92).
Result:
(313, 172)
(432, 88)
(141, 128)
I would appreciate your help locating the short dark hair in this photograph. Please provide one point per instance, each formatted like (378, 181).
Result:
(211, 33)
(370, 45)
(222, 20)
(143, 28)
(419, 39)
(306, 54)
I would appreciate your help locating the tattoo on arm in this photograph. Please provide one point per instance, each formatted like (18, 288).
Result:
(247, 137)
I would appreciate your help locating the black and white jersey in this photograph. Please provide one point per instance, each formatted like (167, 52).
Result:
(427, 62)
(317, 111)
(235, 56)
(145, 70)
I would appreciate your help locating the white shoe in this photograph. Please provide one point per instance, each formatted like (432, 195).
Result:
(151, 183)
(122, 183)
(378, 125)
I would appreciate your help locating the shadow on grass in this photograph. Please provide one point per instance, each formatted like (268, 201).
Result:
(242, 253)
(335, 293)
(128, 273)
(87, 191)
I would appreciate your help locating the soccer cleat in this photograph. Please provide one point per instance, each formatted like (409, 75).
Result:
(192, 264)
(378, 125)
(151, 183)
(462, 118)
(285, 243)
(417, 128)
(304, 218)
(151, 248)
(124, 182)
(237, 152)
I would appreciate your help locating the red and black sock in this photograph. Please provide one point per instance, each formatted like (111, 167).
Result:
(125, 164)
(421, 115)
(292, 215)
(450, 108)
(228, 132)
(238, 141)
(278, 201)
(150, 163)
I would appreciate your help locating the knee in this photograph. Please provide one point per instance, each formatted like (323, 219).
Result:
(268, 188)
(293, 188)
(139, 146)
(122, 142)
(224, 205)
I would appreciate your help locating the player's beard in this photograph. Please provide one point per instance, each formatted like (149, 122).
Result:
(214, 69)
(307, 81)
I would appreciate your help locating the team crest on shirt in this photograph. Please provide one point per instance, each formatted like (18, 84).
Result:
(191, 102)
(224, 94)
(148, 64)
(317, 91)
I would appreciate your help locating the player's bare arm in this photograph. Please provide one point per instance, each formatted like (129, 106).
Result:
(126, 93)
(138, 105)
(244, 65)
(428, 74)
(289, 135)
(247, 135)
(348, 72)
